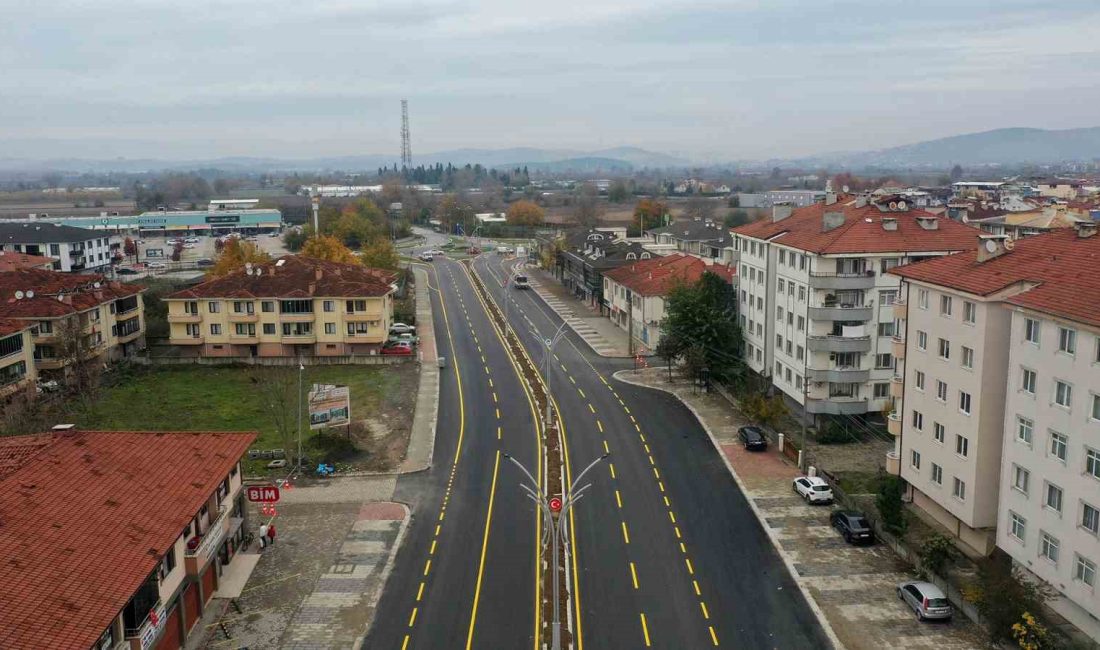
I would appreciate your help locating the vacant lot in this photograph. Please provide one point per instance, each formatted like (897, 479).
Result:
(264, 399)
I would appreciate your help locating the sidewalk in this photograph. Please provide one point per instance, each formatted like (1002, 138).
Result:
(604, 337)
(851, 588)
(422, 437)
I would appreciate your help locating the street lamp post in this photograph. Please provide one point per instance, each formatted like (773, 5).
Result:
(548, 352)
(301, 370)
(551, 507)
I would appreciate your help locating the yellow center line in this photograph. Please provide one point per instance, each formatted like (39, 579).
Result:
(582, 393)
(695, 583)
(420, 592)
(499, 431)
(626, 534)
(661, 485)
(484, 548)
(683, 549)
(691, 569)
(592, 408)
(676, 529)
(713, 636)
(646, 448)
(638, 428)
(498, 414)
(599, 425)
(645, 631)
(572, 380)
(431, 551)
(405, 643)
(706, 614)
(657, 474)
(643, 440)
(490, 382)
(605, 448)
(437, 527)
(427, 566)
(495, 400)
(667, 504)
(611, 466)
(412, 617)
(651, 461)
(672, 516)
(633, 575)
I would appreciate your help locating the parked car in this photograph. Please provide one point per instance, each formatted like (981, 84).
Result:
(426, 256)
(155, 265)
(813, 489)
(397, 347)
(926, 599)
(191, 240)
(402, 328)
(127, 271)
(853, 526)
(172, 242)
(753, 438)
(407, 336)
(204, 262)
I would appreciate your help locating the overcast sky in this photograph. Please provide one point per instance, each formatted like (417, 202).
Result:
(717, 80)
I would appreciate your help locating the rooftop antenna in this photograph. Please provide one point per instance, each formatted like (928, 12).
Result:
(406, 147)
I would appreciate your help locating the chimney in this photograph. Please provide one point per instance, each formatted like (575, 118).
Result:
(991, 246)
(781, 211)
(1085, 229)
(832, 221)
(928, 223)
(317, 273)
(889, 223)
(830, 195)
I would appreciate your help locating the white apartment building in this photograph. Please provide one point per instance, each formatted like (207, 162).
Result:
(816, 303)
(1023, 339)
(72, 249)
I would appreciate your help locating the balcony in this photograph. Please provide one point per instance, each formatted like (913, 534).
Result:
(186, 340)
(243, 317)
(893, 463)
(14, 386)
(201, 550)
(839, 374)
(362, 316)
(244, 339)
(292, 339)
(840, 312)
(865, 280)
(49, 363)
(897, 347)
(901, 309)
(836, 406)
(839, 343)
(126, 337)
(146, 633)
(307, 317)
(897, 386)
(893, 423)
(184, 318)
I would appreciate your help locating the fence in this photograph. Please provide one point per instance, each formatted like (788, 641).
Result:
(346, 360)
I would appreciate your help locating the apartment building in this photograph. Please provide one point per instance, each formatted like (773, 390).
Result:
(74, 316)
(17, 371)
(816, 301)
(71, 249)
(291, 307)
(1013, 330)
(636, 293)
(116, 540)
(703, 238)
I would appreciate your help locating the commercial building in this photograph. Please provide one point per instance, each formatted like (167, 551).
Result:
(586, 255)
(74, 317)
(703, 238)
(1009, 336)
(71, 249)
(115, 540)
(221, 216)
(17, 371)
(291, 307)
(636, 292)
(816, 300)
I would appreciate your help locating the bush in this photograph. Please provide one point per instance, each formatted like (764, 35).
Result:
(934, 553)
(835, 433)
(332, 447)
(1030, 634)
(1003, 597)
(891, 510)
(765, 410)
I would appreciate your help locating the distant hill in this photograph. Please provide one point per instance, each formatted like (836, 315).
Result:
(996, 147)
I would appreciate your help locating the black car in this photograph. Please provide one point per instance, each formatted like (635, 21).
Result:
(126, 271)
(204, 262)
(753, 438)
(853, 526)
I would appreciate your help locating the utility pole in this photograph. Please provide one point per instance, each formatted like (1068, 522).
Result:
(316, 203)
(406, 146)
(301, 371)
(554, 513)
(630, 322)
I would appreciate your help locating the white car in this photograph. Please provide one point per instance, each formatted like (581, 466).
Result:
(156, 265)
(190, 245)
(813, 489)
(191, 240)
(171, 242)
(402, 328)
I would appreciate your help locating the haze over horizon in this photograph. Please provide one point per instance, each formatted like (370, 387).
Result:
(705, 81)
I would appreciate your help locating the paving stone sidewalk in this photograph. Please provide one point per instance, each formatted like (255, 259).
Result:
(852, 587)
(604, 337)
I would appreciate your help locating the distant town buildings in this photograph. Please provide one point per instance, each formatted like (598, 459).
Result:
(221, 216)
(703, 238)
(71, 249)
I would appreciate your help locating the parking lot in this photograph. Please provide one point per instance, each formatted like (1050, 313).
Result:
(202, 249)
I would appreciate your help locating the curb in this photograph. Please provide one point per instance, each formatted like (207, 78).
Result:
(385, 575)
(814, 607)
(433, 396)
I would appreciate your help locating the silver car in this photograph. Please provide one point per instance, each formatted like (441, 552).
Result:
(925, 599)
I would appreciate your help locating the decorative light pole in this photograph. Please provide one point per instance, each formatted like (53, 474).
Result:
(548, 345)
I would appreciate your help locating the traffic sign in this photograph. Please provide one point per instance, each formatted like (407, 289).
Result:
(555, 504)
(262, 494)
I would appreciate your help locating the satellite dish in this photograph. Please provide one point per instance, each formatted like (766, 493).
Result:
(902, 205)
(991, 246)
(248, 265)
(95, 285)
(259, 271)
(18, 295)
(30, 293)
(1009, 244)
(893, 205)
(60, 297)
(844, 189)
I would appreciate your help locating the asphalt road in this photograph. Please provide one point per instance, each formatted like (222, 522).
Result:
(466, 575)
(669, 554)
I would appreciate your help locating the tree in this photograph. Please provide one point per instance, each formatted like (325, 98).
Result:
(129, 248)
(1002, 596)
(734, 200)
(380, 255)
(294, 239)
(648, 213)
(76, 349)
(736, 218)
(525, 213)
(329, 248)
(768, 411)
(235, 254)
(705, 313)
(177, 251)
(668, 348)
(278, 389)
(1030, 634)
(956, 173)
(617, 192)
(889, 504)
(586, 208)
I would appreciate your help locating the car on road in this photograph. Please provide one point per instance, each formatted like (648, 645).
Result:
(426, 256)
(753, 438)
(813, 489)
(397, 348)
(402, 328)
(204, 262)
(521, 282)
(127, 271)
(155, 265)
(853, 526)
(926, 600)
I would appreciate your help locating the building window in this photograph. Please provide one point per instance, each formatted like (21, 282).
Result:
(1053, 499)
(1085, 571)
(958, 489)
(945, 305)
(970, 311)
(780, 284)
(918, 420)
(1024, 430)
(937, 474)
(914, 459)
(330, 328)
(1090, 518)
(1096, 357)
(922, 340)
(213, 307)
(1031, 330)
(782, 257)
(1063, 394)
(945, 349)
(918, 379)
(881, 390)
(967, 357)
(779, 314)
(1095, 415)
(1067, 340)
(1048, 547)
(1017, 527)
(267, 306)
(798, 381)
(1092, 462)
(328, 305)
(800, 352)
(802, 261)
(215, 329)
(245, 329)
(801, 323)
(922, 298)
(1058, 444)
(886, 329)
(167, 563)
(802, 298)
(269, 328)
(779, 341)
(1021, 479)
(787, 374)
(884, 360)
(964, 402)
(941, 390)
(243, 307)
(778, 369)
(962, 445)
(1027, 381)
(887, 298)
(296, 306)
(939, 432)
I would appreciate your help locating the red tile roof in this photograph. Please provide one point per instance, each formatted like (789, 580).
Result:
(11, 326)
(657, 276)
(85, 518)
(862, 231)
(12, 260)
(296, 276)
(1060, 265)
(78, 291)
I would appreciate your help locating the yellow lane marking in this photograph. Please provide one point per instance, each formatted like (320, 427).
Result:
(572, 380)
(431, 551)
(672, 516)
(643, 440)
(651, 461)
(683, 549)
(498, 414)
(657, 474)
(484, 548)
(490, 382)
(661, 485)
(498, 433)
(618, 499)
(487, 370)
(427, 566)
(611, 466)
(626, 534)
(646, 448)
(706, 614)
(592, 408)
(691, 569)
(645, 631)
(638, 428)
(599, 425)
(495, 400)
(605, 448)
(412, 617)
(420, 592)
(633, 420)
(667, 503)
(405, 643)
(676, 529)
(437, 527)
(633, 575)
(563, 368)
(695, 583)
(713, 636)
(582, 393)
(441, 513)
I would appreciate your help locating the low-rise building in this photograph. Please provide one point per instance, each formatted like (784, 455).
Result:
(1000, 411)
(17, 371)
(74, 317)
(705, 239)
(71, 249)
(584, 257)
(12, 261)
(116, 540)
(636, 292)
(290, 307)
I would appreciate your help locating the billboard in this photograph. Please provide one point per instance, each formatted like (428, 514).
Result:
(329, 406)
